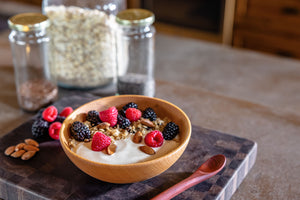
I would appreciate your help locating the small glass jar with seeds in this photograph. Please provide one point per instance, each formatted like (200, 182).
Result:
(29, 41)
(136, 52)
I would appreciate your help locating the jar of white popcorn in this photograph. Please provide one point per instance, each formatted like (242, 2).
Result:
(82, 51)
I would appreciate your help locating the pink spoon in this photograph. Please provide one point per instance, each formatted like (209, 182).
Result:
(208, 169)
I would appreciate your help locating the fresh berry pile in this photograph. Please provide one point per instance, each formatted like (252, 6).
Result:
(47, 124)
(124, 118)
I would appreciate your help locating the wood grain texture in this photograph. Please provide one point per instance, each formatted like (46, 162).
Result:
(269, 26)
(51, 175)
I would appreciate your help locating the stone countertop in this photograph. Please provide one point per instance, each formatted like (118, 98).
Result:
(240, 92)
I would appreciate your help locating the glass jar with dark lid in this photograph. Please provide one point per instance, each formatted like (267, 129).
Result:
(29, 40)
(136, 52)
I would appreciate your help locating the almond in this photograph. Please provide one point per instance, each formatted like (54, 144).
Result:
(20, 146)
(9, 150)
(32, 142)
(138, 137)
(31, 148)
(18, 154)
(103, 125)
(111, 149)
(147, 122)
(147, 150)
(27, 155)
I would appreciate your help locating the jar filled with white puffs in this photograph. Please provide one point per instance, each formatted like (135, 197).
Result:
(82, 51)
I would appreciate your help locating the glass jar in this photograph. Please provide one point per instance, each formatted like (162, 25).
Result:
(136, 52)
(29, 40)
(83, 45)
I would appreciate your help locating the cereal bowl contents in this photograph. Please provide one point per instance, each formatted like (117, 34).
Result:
(125, 139)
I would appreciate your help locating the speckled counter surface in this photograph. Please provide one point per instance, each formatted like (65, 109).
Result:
(243, 93)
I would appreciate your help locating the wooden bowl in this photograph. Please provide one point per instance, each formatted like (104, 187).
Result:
(128, 173)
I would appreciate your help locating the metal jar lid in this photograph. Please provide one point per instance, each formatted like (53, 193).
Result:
(28, 22)
(135, 17)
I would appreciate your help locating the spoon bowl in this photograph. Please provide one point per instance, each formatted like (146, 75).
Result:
(208, 169)
(213, 164)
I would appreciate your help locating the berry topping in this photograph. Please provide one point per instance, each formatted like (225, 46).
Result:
(154, 139)
(122, 112)
(149, 114)
(39, 128)
(170, 131)
(66, 111)
(50, 114)
(130, 105)
(54, 130)
(93, 117)
(80, 131)
(123, 122)
(110, 115)
(60, 119)
(133, 114)
(100, 141)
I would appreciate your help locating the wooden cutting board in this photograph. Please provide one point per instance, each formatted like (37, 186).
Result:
(51, 175)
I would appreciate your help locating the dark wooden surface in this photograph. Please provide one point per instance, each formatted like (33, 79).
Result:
(51, 175)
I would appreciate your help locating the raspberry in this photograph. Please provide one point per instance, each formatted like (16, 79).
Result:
(149, 114)
(133, 114)
(80, 131)
(100, 141)
(54, 130)
(154, 139)
(110, 115)
(123, 122)
(93, 117)
(39, 128)
(66, 111)
(50, 114)
(170, 131)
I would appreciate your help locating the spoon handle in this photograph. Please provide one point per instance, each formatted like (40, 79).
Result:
(183, 185)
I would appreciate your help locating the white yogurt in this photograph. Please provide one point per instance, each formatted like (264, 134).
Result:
(127, 152)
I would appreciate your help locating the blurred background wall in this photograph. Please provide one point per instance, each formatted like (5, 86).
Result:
(271, 26)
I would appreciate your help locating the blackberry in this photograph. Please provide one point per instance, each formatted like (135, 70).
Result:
(123, 122)
(93, 117)
(170, 131)
(149, 114)
(122, 112)
(60, 119)
(80, 131)
(130, 105)
(39, 128)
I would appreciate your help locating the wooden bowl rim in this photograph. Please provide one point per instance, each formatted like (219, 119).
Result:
(147, 162)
